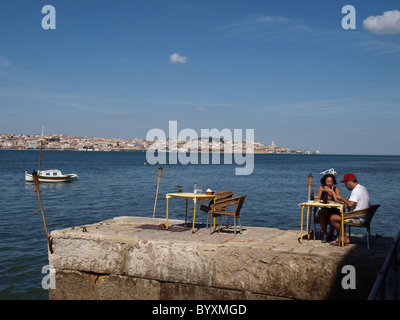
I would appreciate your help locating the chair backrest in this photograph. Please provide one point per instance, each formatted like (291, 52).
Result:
(224, 194)
(369, 213)
(221, 195)
(239, 205)
(236, 201)
(372, 210)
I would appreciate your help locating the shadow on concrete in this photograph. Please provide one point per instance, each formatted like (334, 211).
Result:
(359, 267)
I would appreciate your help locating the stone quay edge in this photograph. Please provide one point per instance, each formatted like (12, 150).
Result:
(132, 258)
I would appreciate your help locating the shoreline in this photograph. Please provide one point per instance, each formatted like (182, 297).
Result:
(200, 144)
(167, 151)
(266, 153)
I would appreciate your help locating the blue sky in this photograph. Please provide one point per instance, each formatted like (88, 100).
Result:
(286, 69)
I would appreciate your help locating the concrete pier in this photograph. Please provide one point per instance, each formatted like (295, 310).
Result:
(132, 258)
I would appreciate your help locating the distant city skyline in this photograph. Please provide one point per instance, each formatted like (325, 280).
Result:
(290, 70)
(11, 141)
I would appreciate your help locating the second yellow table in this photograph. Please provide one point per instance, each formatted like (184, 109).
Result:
(316, 203)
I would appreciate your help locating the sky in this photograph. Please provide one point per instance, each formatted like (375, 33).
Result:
(289, 69)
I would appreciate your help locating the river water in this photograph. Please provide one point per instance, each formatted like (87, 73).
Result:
(115, 184)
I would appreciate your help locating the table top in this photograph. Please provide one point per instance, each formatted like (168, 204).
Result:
(190, 195)
(318, 203)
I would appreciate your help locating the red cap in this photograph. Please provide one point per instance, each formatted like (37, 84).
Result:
(348, 176)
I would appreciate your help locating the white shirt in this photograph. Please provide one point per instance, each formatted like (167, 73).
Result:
(360, 195)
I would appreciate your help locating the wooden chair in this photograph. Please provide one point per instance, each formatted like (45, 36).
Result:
(221, 208)
(351, 218)
(221, 195)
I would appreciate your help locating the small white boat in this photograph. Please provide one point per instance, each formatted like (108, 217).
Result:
(51, 176)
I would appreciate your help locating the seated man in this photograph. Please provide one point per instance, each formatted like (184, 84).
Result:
(359, 199)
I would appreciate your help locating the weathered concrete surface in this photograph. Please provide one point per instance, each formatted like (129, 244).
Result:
(123, 259)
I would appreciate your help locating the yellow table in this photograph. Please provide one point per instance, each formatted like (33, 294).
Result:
(317, 203)
(194, 196)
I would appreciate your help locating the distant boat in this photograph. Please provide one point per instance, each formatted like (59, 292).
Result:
(51, 176)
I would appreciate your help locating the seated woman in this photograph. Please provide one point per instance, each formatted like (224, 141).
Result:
(327, 189)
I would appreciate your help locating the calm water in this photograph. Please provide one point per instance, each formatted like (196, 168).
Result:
(116, 184)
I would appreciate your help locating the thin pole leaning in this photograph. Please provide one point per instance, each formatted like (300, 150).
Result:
(36, 182)
(160, 170)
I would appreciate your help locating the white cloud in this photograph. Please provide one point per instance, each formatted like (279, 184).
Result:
(177, 58)
(388, 23)
(264, 26)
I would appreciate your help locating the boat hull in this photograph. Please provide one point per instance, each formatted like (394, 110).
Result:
(51, 176)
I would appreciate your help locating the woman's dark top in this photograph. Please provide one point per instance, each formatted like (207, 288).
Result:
(330, 210)
(325, 194)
